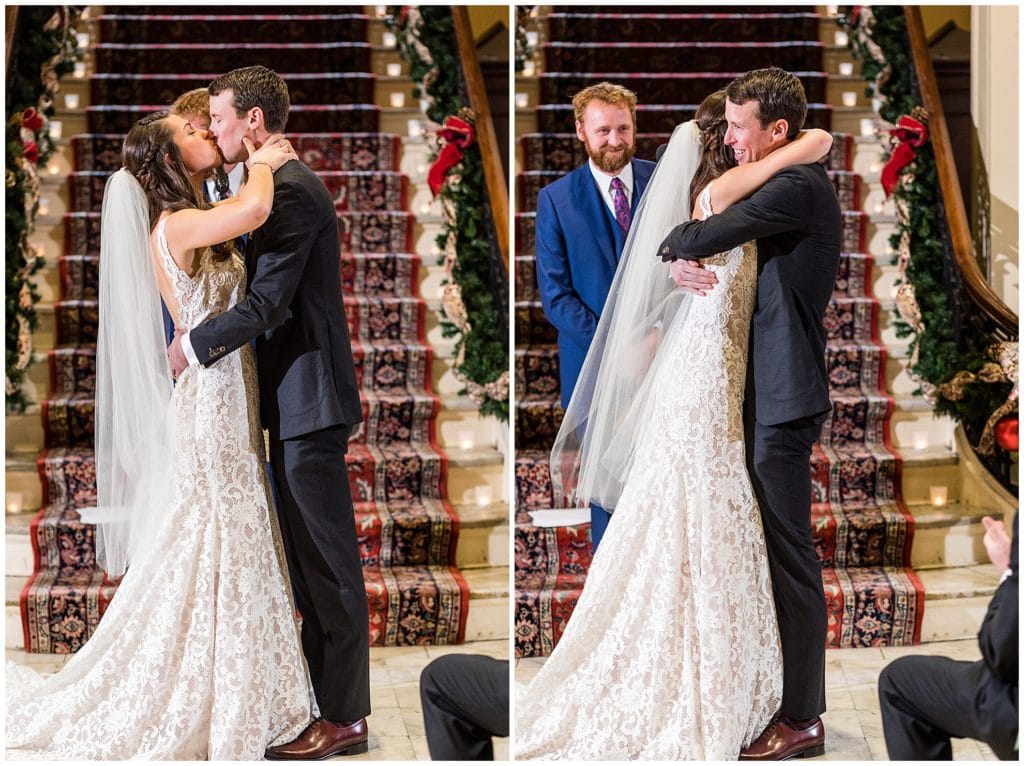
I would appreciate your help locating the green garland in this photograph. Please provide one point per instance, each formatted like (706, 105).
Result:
(950, 341)
(427, 42)
(43, 49)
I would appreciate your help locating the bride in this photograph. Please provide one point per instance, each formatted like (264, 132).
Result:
(672, 652)
(198, 654)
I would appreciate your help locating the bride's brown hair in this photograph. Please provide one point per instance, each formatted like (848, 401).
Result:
(715, 156)
(150, 154)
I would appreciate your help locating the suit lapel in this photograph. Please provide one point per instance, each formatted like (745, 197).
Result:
(592, 208)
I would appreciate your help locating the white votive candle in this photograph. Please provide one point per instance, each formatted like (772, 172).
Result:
(83, 39)
(53, 169)
(70, 100)
(939, 495)
(874, 167)
(415, 128)
(849, 98)
(867, 127)
(425, 208)
(920, 440)
(529, 69)
(79, 70)
(532, 38)
(398, 100)
(44, 206)
(483, 496)
(389, 39)
(842, 39)
(381, 11)
(394, 70)
(832, 10)
(846, 68)
(56, 129)
(465, 439)
(522, 100)
(15, 502)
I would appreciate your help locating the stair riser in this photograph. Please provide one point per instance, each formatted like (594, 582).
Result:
(918, 481)
(906, 429)
(952, 619)
(482, 547)
(465, 429)
(470, 484)
(959, 545)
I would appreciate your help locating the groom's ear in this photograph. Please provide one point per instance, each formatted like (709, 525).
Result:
(255, 118)
(780, 130)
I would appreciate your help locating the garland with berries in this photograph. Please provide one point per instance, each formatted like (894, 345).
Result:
(964, 369)
(44, 48)
(474, 301)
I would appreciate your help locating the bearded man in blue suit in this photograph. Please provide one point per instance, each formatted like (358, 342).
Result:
(582, 222)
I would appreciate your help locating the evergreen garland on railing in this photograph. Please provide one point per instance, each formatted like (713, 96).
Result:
(962, 368)
(474, 311)
(43, 49)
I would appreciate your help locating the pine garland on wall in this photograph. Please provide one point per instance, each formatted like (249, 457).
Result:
(43, 49)
(964, 370)
(474, 312)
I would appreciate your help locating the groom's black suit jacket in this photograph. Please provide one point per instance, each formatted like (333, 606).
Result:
(796, 220)
(295, 311)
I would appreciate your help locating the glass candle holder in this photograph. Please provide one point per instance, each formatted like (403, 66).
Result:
(939, 495)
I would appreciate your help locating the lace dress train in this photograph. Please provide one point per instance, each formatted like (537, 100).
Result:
(198, 655)
(672, 652)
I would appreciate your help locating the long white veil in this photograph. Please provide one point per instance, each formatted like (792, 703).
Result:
(596, 443)
(133, 438)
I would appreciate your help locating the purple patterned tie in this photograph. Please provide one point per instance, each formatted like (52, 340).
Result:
(622, 214)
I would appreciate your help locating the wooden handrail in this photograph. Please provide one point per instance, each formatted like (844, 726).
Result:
(494, 176)
(959, 229)
(11, 22)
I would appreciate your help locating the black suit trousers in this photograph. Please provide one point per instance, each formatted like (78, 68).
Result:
(926, 701)
(778, 461)
(465, 703)
(314, 504)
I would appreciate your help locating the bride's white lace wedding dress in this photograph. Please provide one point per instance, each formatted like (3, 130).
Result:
(198, 655)
(672, 652)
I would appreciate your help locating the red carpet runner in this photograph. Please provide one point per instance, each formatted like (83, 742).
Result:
(408, 530)
(862, 530)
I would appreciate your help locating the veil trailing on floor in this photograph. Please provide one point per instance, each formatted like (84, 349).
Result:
(596, 443)
(133, 439)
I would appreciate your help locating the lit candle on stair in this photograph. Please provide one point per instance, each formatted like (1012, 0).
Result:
(83, 39)
(15, 502)
(415, 128)
(44, 206)
(831, 10)
(398, 100)
(389, 39)
(70, 100)
(56, 128)
(850, 98)
(920, 440)
(483, 496)
(522, 100)
(79, 70)
(529, 69)
(938, 493)
(465, 439)
(394, 70)
(842, 39)
(381, 10)
(846, 68)
(867, 127)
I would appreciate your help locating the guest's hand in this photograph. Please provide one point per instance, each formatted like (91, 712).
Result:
(997, 543)
(179, 363)
(692, 277)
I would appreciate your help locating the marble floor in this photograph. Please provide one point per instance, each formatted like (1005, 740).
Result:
(396, 724)
(853, 724)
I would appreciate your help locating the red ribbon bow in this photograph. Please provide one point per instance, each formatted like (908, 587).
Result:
(910, 136)
(31, 119)
(457, 136)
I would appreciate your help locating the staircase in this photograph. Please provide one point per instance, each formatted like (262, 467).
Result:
(897, 570)
(427, 472)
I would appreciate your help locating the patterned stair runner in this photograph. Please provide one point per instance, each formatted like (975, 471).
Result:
(408, 530)
(862, 529)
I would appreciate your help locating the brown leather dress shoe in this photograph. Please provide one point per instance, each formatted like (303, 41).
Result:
(323, 739)
(782, 741)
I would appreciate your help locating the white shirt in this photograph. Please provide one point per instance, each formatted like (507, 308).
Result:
(604, 183)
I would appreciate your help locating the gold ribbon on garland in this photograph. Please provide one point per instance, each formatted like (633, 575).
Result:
(1003, 369)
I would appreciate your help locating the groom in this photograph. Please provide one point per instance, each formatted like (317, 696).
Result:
(309, 401)
(796, 220)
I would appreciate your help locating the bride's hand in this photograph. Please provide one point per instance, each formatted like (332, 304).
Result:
(692, 277)
(275, 152)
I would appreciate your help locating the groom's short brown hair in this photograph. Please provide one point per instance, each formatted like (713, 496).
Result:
(779, 96)
(256, 86)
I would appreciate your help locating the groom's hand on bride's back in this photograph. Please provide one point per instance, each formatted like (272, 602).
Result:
(691, 276)
(175, 355)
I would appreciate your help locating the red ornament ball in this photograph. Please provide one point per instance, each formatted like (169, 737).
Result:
(1006, 433)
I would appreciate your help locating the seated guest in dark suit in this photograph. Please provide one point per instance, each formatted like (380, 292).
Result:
(465, 703)
(928, 700)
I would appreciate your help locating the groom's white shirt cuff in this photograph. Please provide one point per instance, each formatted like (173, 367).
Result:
(186, 346)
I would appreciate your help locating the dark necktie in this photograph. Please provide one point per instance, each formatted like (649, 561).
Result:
(622, 214)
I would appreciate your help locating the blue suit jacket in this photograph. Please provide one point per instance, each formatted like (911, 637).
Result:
(578, 249)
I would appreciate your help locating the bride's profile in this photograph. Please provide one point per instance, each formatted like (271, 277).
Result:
(198, 654)
(672, 652)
